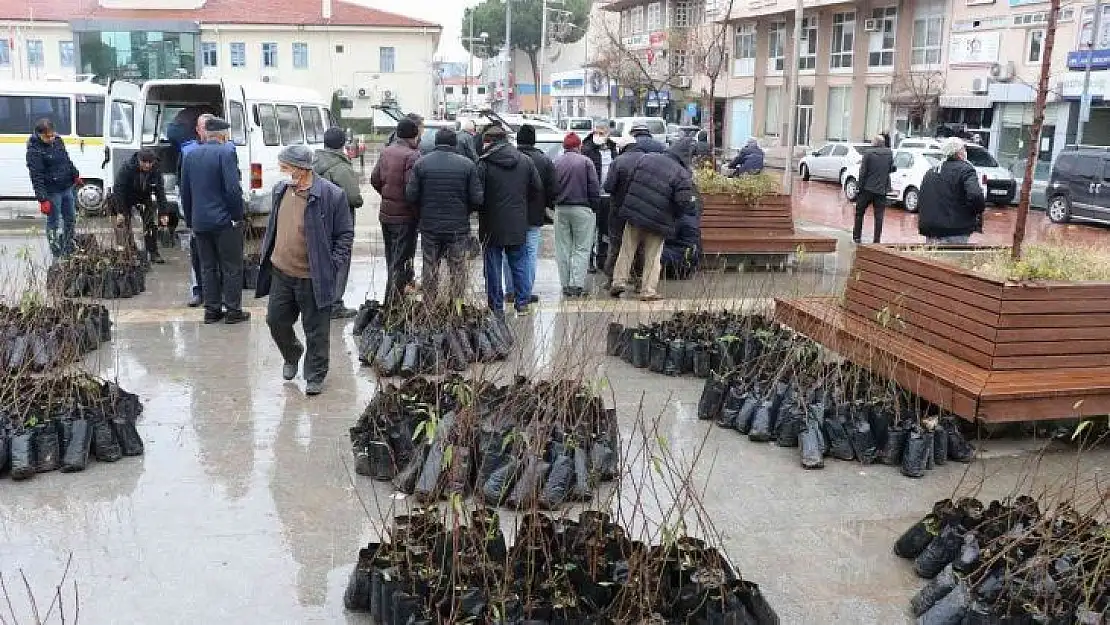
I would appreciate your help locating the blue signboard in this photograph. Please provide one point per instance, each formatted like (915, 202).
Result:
(692, 109)
(663, 96)
(1100, 59)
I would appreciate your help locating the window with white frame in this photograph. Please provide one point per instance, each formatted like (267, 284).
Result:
(1034, 48)
(637, 20)
(626, 22)
(654, 17)
(925, 48)
(880, 46)
(209, 54)
(35, 56)
(269, 55)
(743, 50)
(238, 54)
(1103, 40)
(680, 62)
(807, 58)
(5, 52)
(682, 14)
(772, 124)
(776, 47)
(839, 114)
(300, 55)
(841, 53)
(387, 59)
(65, 53)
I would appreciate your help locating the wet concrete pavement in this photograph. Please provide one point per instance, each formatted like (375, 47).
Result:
(245, 508)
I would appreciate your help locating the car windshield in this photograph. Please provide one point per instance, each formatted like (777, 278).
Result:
(933, 158)
(980, 157)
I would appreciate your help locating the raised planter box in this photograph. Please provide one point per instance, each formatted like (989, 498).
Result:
(730, 225)
(983, 348)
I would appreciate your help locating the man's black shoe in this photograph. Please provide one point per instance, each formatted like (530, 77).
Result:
(214, 318)
(236, 316)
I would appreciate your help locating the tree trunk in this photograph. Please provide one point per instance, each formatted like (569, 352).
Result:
(1035, 133)
(536, 80)
(711, 125)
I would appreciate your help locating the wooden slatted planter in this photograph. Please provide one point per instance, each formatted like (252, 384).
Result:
(730, 225)
(983, 348)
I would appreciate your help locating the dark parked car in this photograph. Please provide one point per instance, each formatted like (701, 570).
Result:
(1079, 186)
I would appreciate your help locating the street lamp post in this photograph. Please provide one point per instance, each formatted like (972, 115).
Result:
(470, 64)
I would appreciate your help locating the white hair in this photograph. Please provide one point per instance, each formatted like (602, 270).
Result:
(468, 125)
(951, 146)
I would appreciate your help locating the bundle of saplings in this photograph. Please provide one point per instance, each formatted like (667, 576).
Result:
(526, 444)
(92, 271)
(840, 410)
(413, 337)
(694, 343)
(1009, 562)
(58, 422)
(36, 338)
(434, 569)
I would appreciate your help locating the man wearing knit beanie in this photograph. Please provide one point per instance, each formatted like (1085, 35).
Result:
(537, 206)
(397, 216)
(333, 164)
(575, 223)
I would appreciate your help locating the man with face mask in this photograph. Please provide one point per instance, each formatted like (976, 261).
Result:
(139, 186)
(54, 179)
(307, 244)
(212, 200)
(602, 150)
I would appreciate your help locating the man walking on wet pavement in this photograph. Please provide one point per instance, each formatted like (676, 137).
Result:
(397, 216)
(212, 200)
(951, 204)
(874, 184)
(307, 245)
(333, 164)
(510, 181)
(54, 179)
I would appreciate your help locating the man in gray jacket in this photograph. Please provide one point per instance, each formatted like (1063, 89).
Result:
(333, 165)
(307, 244)
(575, 223)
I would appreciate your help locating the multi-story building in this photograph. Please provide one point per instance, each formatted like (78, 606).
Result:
(326, 45)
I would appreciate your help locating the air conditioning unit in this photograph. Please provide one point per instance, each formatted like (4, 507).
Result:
(1003, 72)
(363, 93)
(980, 86)
(387, 95)
(871, 25)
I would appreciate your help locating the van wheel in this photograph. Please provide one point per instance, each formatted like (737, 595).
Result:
(910, 199)
(851, 189)
(90, 198)
(1059, 210)
(804, 172)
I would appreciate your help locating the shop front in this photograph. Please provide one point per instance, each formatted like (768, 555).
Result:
(1012, 129)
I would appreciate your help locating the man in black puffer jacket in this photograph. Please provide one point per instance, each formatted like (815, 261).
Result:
(660, 190)
(445, 185)
(54, 179)
(951, 204)
(616, 185)
(509, 181)
(537, 206)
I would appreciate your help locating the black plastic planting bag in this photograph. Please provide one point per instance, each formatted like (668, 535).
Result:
(380, 457)
(368, 344)
(968, 557)
(625, 352)
(106, 447)
(729, 412)
(743, 422)
(458, 471)
(528, 486)
(366, 313)
(405, 481)
(76, 455)
(933, 591)
(47, 446)
(657, 356)
(840, 447)
(959, 449)
(456, 356)
(18, 352)
(391, 366)
(431, 475)
(810, 440)
(496, 489)
(410, 362)
(757, 604)
(917, 537)
(915, 454)
(603, 459)
(712, 397)
(863, 444)
(559, 481)
(5, 451)
(950, 609)
(385, 347)
(466, 344)
(789, 425)
(941, 551)
(23, 457)
(895, 445)
(583, 489)
(484, 346)
(701, 361)
(930, 462)
(129, 440)
(940, 445)
(762, 423)
(501, 345)
(613, 339)
(641, 350)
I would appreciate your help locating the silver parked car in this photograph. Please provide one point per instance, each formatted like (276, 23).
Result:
(831, 161)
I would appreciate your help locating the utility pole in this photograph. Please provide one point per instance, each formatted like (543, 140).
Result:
(791, 124)
(470, 63)
(543, 59)
(1085, 101)
(508, 51)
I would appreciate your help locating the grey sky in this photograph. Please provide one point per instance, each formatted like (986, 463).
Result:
(448, 13)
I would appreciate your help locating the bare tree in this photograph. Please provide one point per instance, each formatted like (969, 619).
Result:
(707, 47)
(917, 91)
(646, 71)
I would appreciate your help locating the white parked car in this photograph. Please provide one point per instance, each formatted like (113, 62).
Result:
(998, 183)
(905, 182)
(656, 125)
(831, 161)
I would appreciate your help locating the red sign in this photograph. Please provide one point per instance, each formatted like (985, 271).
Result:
(657, 38)
(651, 56)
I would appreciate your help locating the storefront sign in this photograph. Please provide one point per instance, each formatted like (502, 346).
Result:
(1071, 86)
(1021, 3)
(1100, 59)
(987, 23)
(974, 48)
(657, 39)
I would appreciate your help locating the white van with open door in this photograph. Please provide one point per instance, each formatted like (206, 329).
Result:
(264, 118)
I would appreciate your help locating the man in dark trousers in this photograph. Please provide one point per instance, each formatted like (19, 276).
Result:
(212, 200)
(509, 181)
(139, 187)
(55, 180)
(952, 203)
(307, 244)
(537, 206)
(445, 187)
(333, 164)
(397, 216)
(600, 148)
(617, 181)
(874, 184)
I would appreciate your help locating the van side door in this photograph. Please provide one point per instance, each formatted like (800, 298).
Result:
(1083, 184)
(123, 124)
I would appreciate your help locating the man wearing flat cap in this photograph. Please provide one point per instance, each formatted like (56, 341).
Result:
(306, 248)
(212, 200)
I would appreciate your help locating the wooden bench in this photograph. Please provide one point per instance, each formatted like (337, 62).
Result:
(981, 348)
(730, 226)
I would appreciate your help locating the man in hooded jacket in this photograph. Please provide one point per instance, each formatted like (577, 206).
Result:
(951, 204)
(332, 164)
(617, 182)
(510, 181)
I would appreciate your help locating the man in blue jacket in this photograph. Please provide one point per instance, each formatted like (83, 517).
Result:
(54, 179)
(307, 244)
(212, 200)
